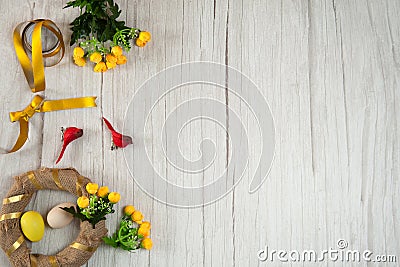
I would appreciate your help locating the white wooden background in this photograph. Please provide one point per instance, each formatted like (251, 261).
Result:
(330, 71)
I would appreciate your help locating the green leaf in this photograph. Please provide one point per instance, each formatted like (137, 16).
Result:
(110, 241)
(98, 20)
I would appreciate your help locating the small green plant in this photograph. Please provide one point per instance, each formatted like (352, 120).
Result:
(97, 30)
(132, 232)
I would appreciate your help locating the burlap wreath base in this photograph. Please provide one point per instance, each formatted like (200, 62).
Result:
(12, 240)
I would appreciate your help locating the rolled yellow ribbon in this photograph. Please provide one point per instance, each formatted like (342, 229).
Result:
(34, 70)
(38, 104)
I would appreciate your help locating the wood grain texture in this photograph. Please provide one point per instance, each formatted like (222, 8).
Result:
(330, 72)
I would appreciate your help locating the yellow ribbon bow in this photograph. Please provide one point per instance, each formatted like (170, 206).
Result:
(28, 112)
(38, 104)
(34, 74)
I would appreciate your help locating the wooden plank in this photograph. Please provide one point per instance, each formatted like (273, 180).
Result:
(268, 42)
(370, 83)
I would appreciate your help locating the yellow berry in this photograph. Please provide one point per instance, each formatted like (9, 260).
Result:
(111, 65)
(103, 191)
(80, 61)
(100, 67)
(79, 52)
(83, 202)
(114, 197)
(95, 57)
(146, 225)
(146, 243)
(143, 231)
(128, 210)
(140, 42)
(92, 188)
(137, 216)
(145, 36)
(116, 51)
(110, 58)
(121, 60)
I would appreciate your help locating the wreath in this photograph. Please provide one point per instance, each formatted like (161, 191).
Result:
(12, 241)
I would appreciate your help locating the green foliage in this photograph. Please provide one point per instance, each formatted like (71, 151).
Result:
(98, 21)
(85, 215)
(126, 237)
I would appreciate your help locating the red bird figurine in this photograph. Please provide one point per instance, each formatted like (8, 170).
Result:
(118, 139)
(70, 134)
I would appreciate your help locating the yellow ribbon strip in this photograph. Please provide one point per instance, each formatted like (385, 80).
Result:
(53, 261)
(82, 247)
(34, 181)
(15, 246)
(56, 179)
(9, 216)
(38, 104)
(14, 199)
(79, 182)
(33, 258)
(34, 70)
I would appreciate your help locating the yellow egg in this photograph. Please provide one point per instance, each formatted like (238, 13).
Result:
(32, 225)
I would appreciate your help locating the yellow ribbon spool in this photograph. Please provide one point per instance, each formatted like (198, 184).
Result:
(34, 74)
(34, 70)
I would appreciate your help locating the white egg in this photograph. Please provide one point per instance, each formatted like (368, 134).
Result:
(58, 218)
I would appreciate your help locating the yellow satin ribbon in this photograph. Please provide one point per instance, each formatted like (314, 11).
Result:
(34, 74)
(83, 247)
(34, 70)
(15, 246)
(14, 199)
(56, 179)
(79, 182)
(9, 216)
(53, 261)
(38, 104)
(33, 258)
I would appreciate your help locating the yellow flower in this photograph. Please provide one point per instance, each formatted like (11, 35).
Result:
(78, 52)
(128, 210)
(80, 61)
(100, 67)
(137, 217)
(95, 57)
(146, 225)
(83, 202)
(111, 65)
(121, 60)
(146, 243)
(116, 51)
(111, 58)
(140, 42)
(92, 188)
(143, 231)
(103, 191)
(114, 197)
(145, 36)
